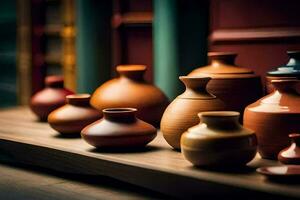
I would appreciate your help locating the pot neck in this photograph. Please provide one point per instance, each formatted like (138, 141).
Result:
(132, 72)
(294, 59)
(54, 81)
(123, 115)
(225, 120)
(196, 87)
(295, 137)
(79, 100)
(285, 86)
(221, 58)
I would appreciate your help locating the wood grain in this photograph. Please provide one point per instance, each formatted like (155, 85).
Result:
(156, 167)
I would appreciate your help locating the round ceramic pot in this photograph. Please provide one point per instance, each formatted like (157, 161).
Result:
(291, 154)
(131, 90)
(286, 72)
(181, 114)
(274, 117)
(119, 128)
(219, 141)
(237, 87)
(71, 118)
(50, 98)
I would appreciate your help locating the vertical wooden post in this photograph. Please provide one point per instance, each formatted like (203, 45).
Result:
(93, 43)
(166, 57)
(180, 33)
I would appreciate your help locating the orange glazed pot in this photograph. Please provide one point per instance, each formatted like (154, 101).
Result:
(237, 87)
(182, 113)
(274, 117)
(119, 128)
(71, 118)
(50, 98)
(131, 90)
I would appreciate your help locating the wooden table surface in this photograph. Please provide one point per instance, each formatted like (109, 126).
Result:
(157, 167)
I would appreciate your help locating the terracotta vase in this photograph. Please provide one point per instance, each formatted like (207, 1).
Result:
(237, 87)
(274, 117)
(131, 90)
(291, 154)
(50, 98)
(119, 128)
(181, 114)
(219, 141)
(71, 118)
(289, 71)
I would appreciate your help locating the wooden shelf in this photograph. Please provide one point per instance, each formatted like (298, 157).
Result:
(157, 167)
(133, 19)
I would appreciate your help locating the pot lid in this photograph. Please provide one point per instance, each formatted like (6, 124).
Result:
(221, 63)
(292, 68)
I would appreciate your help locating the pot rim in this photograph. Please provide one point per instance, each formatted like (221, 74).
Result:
(119, 110)
(131, 67)
(219, 114)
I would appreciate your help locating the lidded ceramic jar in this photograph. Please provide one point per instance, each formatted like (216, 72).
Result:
(274, 117)
(50, 98)
(291, 154)
(237, 87)
(131, 90)
(119, 128)
(71, 118)
(289, 71)
(219, 141)
(181, 114)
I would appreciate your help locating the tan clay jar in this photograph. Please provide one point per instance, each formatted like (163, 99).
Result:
(71, 118)
(219, 141)
(50, 98)
(119, 128)
(131, 90)
(237, 87)
(181, 114)
(274, 117)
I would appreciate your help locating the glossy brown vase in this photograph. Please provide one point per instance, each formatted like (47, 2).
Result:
(50, 98)
(291, 154)
(237, 87)
(219, 141)
(289, 71)
(119, 128)
(71, 118)
(274, 117)
(181, 114)
(131, 90)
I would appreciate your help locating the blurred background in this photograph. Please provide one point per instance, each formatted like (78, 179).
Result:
(84, 40)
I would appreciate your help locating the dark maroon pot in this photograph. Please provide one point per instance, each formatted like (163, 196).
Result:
(291, 154)
(50, 98)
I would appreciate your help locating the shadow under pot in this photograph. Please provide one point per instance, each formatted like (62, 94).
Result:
(131, 90)
(219, 141)
(181, 114)
(50, 98)
(236, 86)
(274, 117)
(119, 128)
(71, 118)
(290, 71)
(291, 154)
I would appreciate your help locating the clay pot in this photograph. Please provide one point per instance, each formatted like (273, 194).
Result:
(273, 117)
(291, 154)
(71, 118)
(237, 87)
(131, 90)
(219, 141)
(119, 128)
(50, 98)
(289, 71)
(181, 114)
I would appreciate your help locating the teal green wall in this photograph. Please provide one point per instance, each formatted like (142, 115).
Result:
(8, 53)
(93, 43)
